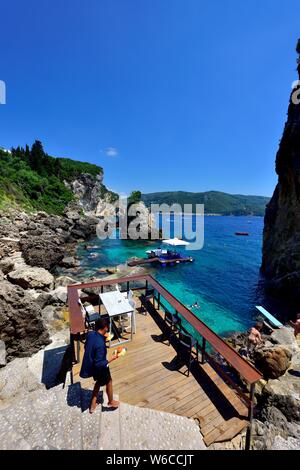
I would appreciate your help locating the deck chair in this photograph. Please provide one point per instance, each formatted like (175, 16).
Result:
(89, 314)
(149, 295)
(173, 322)
(131, 315)
(186, 346)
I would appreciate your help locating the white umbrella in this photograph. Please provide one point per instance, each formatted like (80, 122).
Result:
(176, 242)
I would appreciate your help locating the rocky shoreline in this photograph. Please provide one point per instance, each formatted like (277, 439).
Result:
(32, 246)
(277, 411)
(33, 295)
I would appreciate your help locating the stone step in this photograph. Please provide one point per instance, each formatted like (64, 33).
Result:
(10, 439)
(51, 414)
(69, 400)
(147, 429)
(22, 417)
(91, 423)
(110, 433)
(71, 394)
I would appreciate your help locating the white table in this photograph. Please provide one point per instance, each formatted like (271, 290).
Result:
(116, 304)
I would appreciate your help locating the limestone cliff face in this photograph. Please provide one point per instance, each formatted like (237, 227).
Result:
(91, 193)
(281, 241)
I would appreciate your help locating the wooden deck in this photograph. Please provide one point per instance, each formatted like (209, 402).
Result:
(148, 376)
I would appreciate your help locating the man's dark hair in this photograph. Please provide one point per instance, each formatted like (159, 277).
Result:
(101, 323)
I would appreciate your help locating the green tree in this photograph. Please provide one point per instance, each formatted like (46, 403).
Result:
(134, 197)
(37, 157)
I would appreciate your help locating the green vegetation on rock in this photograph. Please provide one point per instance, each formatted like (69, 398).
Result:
(32, 180)
(215, 202)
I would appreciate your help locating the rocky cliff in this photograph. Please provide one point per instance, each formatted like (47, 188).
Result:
(281, 242)
(90, 193)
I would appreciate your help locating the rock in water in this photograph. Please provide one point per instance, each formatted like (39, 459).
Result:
(21, 325)
(69, 262)
(281, 244)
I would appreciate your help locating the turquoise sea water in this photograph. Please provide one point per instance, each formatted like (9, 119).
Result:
(224, 279)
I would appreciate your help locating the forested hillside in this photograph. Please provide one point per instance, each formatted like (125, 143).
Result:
(215, 202)
(33, 180)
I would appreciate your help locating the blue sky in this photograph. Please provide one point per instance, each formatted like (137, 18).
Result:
(164, 94)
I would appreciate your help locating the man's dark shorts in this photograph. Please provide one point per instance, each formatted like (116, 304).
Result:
(103, 376)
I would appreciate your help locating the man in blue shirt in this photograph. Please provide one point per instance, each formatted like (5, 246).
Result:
(95, 363)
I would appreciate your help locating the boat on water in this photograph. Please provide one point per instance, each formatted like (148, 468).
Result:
(242, 234)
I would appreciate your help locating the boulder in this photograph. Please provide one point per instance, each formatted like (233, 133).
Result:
(12, 262)
(59, 295)
(85, 227)
(72, 215)
(44, 249)
(43, 299)
(31, 278)
(285, 444)
(283, 394)
(263, 435)
(1, 276)
(285, 337)
(272, 362)
(48, 314)
(15, 378)
(2, 353)
(267, 436)
(276, 417)
(64, 281)
(6, 265)
(21, 324)
(55, 222)
(55, 318)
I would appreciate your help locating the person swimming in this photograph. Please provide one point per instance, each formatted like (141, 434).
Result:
(195, 305)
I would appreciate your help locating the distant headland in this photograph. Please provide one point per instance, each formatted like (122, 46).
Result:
(215, 202)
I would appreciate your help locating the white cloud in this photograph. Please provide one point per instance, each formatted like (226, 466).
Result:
(111, 152)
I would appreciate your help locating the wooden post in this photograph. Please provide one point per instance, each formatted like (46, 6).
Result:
(203, 350)
(146, 286)
(250, 417)
(158, 301)
(127, 287)
(78, 349)
(73, 349)
(101, 289)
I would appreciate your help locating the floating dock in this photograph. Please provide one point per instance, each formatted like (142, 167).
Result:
(141, 261)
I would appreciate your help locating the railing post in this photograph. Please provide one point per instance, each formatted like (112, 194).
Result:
(203, 350)
(158, 301)
(146, 286)
(127, 287)
(78, 348)
(250, 417)
(73, 348)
